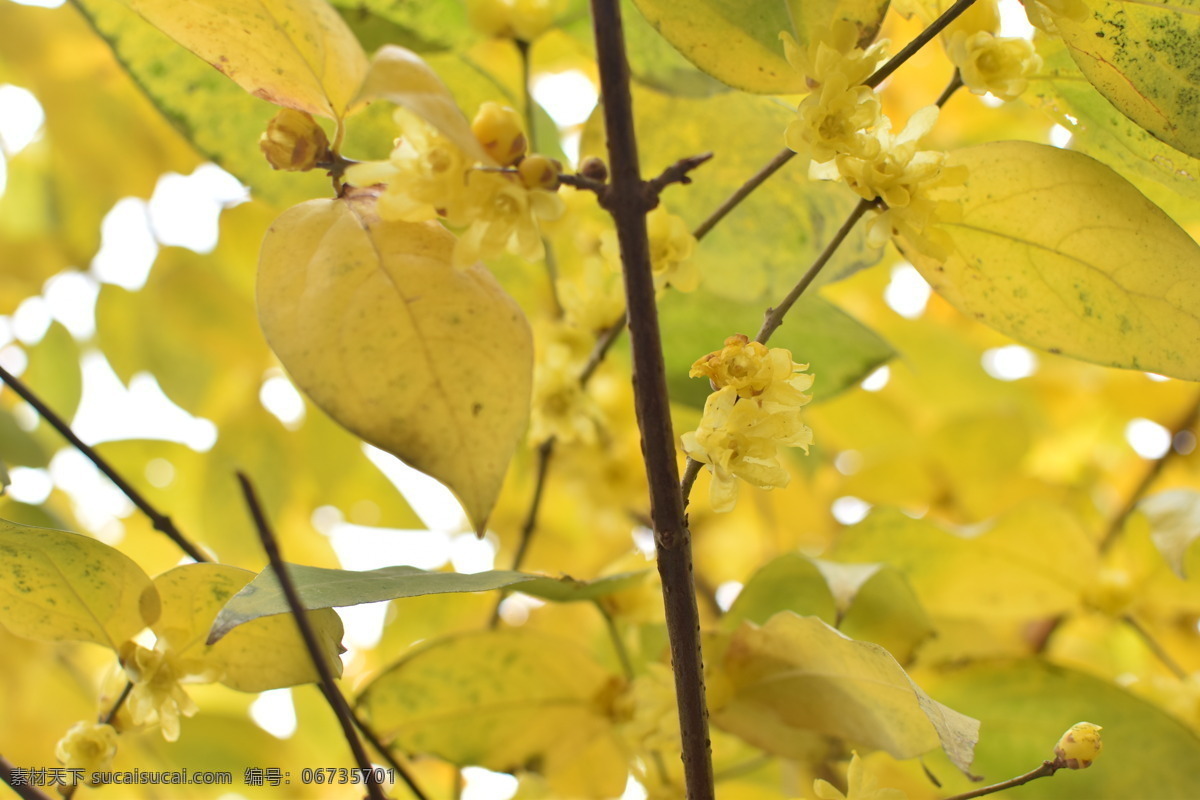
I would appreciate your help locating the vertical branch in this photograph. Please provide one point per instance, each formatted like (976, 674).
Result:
(628, 204)
(328, 685)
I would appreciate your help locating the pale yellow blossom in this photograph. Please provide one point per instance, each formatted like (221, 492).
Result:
(157, 695)
(861, 785)
(88, 746)
(561, 406)
(988, 64)
(504, 214)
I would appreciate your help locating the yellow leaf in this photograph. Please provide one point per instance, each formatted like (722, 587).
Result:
(294, 53)
(1174, 518)
(800, 673)
(1058, 251)
(402, 77)
(1142, 57)
(430, 363)
(505, 700)
(735, 42)
(263, 654)
(57, 586)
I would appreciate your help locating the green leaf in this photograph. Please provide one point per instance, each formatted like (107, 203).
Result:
(791, 582)
(1025, 706)
(330, 588)
(504, 700)
(1142, 57)
(1058, 251)
(57, 586)
(1174, 518)
(443, 383)
(876, 604)
(735, 41)
(293, 53)
(840, 351)
(423, 27)
(264, 654)
(802, 673)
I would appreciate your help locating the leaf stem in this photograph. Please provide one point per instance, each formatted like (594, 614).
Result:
(24, 790)
(627, 204)
(160, 521)
(1045, 770)
(618, 642)
(327, 684)
(386, 753)
(529, 109)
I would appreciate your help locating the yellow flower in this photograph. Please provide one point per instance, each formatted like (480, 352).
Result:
(835, 53)
(739, 437)
(1042, 13)
(750, 367)
(896, 169)
(859, 786)
(988, 64)
(561, 406)
(671, 246)
(498, 129)
(425, 175)
(157, 695)
(514, 19)
(88, 746)
(503, 214)
(1079, 746)
(293, 141)
(595, 298)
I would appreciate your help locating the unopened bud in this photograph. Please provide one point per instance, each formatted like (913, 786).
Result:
(498, 129)
(539, 172)
(294, 141)
(1079, 746)
(594, 169)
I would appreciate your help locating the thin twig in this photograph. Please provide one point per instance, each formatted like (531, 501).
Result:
(24, 790)
(691, 471)
(618, 643)
(160, 521)
(676, 173)
(1117, 523)
(782, 157)
(328, 685)
(529, 107)
(671, 536)
(544, 452)
(1154, 647)
(387, 755)
(920, 40)
(774, 316)
(1046, 769)
(600, 350)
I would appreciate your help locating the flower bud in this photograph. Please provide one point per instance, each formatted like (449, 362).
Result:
(498, 129)
(1079, 746)
(539, 172)
(294, 141)
(594, 168)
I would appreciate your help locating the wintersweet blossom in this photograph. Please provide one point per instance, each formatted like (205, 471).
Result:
(157, 695)
(504, 214)
(561, 406)
(88, 746)
(1000, 66)
(861, 785)
(671, 248)
(754, 409)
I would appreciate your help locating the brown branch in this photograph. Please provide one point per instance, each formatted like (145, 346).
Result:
(676, 173)
(387, 755)
(160, 521)
(1046, 769)
(782, 157)
(24, 790)
(544, 453)
(327, 683)
(672, 539)
(1117, 523)
(920, 40)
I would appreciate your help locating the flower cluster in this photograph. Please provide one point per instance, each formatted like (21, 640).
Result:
(754, 408)
(842, 128)
(428, 176)
(88, 746)
(157, 695)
